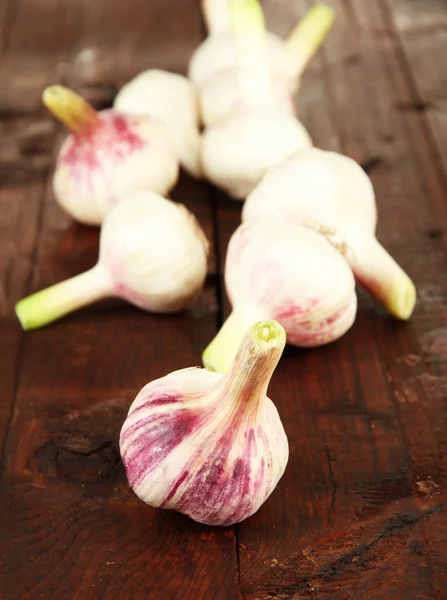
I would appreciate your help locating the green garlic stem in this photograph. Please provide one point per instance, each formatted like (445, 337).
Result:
(380, 274)
(69, 108)
(308, 35)
(51, 304)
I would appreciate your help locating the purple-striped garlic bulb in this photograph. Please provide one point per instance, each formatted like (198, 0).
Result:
(237, 152)
(107, 156)
(278, 269)
(331, 191)
(153, 254)
(214, 66)
(171, 98)
(210, 446)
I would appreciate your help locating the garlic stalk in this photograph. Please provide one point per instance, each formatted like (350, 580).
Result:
(214, 67)
(210, 446)
(278, 269)
(331, 191)
(215, 13)
(236, 153)
(107, 156)
(171, 98)
(153, 254)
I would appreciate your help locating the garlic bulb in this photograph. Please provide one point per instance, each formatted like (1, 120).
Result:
(153, 254)
(277, 269)
(171, 98)
(237, 153)
(332, 191)
(108, 156)
(210, 446)
(287, 59)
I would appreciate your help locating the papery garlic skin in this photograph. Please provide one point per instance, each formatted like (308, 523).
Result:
(331, 188)
(172, 99)
(211, 447)
(331, 192)
(153, 254)
(218, 53)
(237, 153)
(165, 246)
(277, 269)
(120, 154)
(221, 97)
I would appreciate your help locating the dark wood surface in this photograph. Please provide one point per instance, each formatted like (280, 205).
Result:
(360, 512)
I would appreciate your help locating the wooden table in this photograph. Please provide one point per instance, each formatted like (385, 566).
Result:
(360, 511)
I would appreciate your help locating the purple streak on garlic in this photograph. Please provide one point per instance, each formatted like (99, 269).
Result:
(332, 192)
(108, 156)
(153, 254)
(210, 446)
(172, 99)
(278, 269)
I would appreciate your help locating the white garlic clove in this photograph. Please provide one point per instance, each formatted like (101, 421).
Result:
(210, 446)
(237, 153)
(153, 254)
(108, 156)
(278, 269)
(171, 98)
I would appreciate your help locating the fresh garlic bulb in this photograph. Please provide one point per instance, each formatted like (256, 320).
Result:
(153, 254)
(108, 156)
(332, 191)
(287, 58)
(210, 446)
(258, 136)
(278, 269)
(236, 154)
(171, 98)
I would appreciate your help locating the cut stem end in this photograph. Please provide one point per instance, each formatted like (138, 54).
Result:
(267, 332)
(69, 108)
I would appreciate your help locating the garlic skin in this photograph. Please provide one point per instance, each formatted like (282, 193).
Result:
(236, 154)
(108, 156)
(210, 446)
(215, 66)
(277, 269)
(331, 191)
(152, 254)
(287, 58)
(221, 97)
(172, 99)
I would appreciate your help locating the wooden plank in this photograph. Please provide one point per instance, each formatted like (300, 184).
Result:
(353, 451)
(71, 527)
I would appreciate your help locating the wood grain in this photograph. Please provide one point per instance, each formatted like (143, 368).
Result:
(360, 512)
(351, 454)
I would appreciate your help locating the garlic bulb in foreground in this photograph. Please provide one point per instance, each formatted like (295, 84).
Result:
(334, 191)
(212, 447)
(277, 269)
(153, 254)
(287, 59)
(237, 153)
(171, 98)
(108, 156)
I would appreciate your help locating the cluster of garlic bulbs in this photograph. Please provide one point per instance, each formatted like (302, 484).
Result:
(209, 442)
